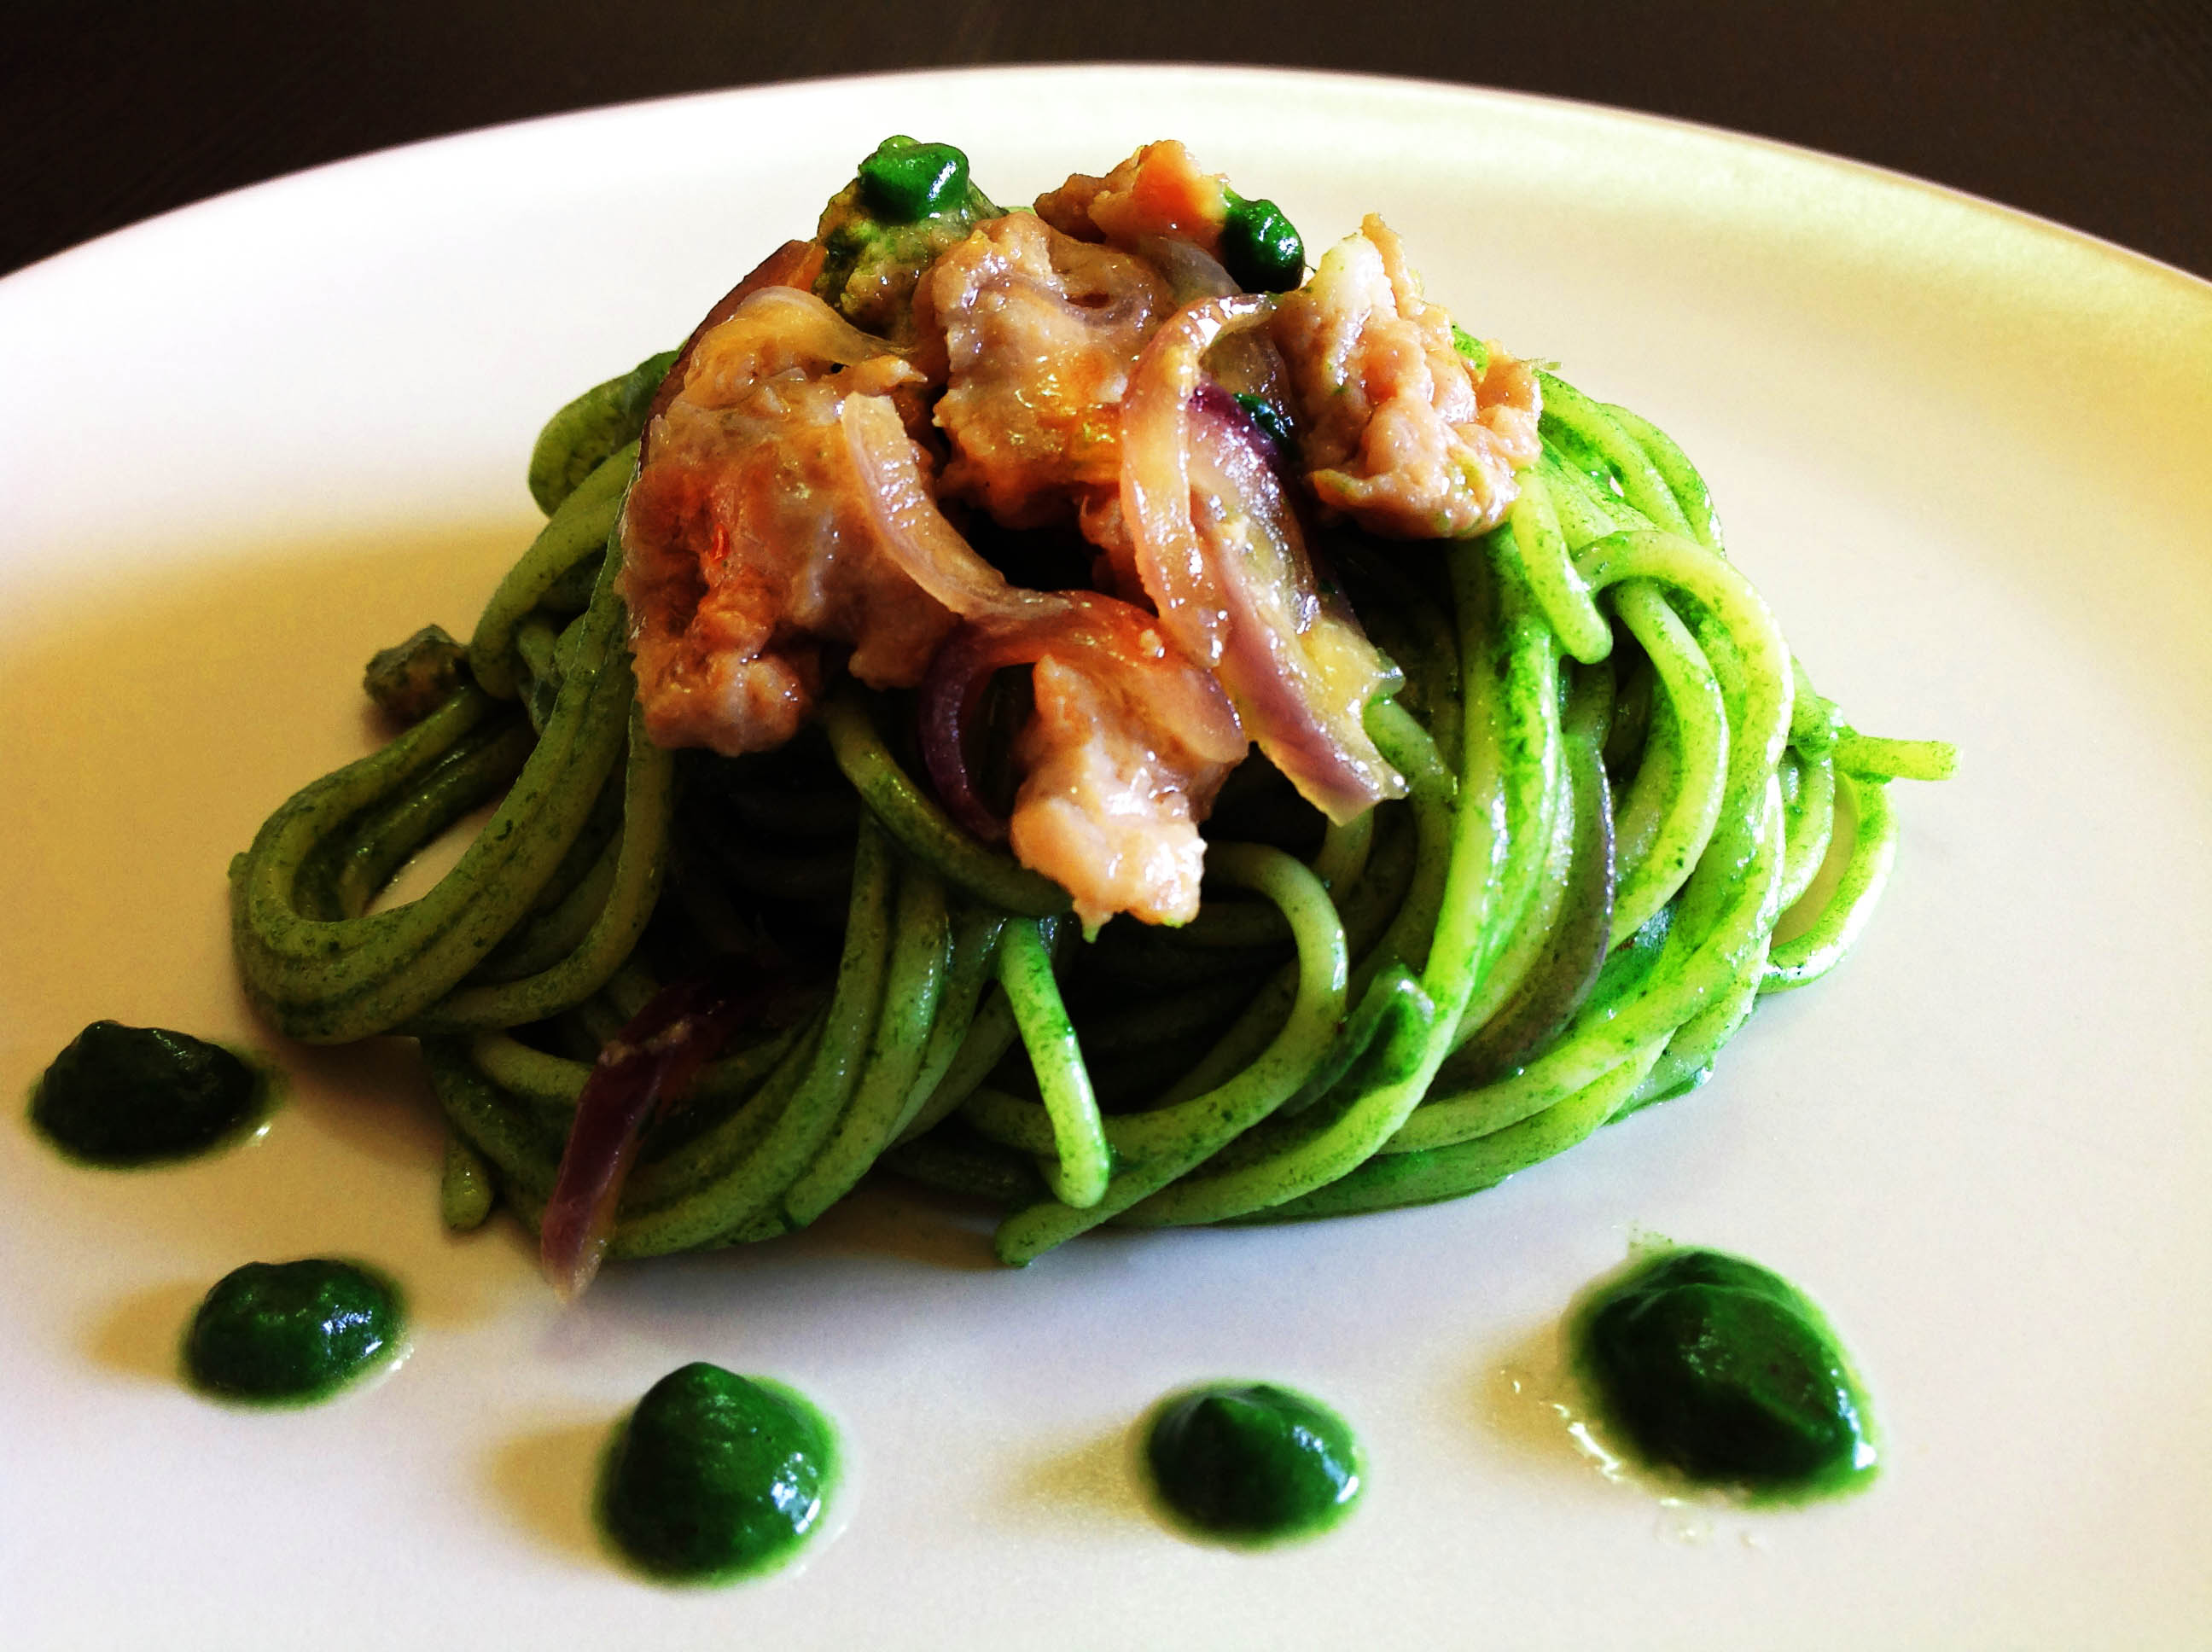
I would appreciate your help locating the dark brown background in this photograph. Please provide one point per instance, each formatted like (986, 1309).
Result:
(2098, 115)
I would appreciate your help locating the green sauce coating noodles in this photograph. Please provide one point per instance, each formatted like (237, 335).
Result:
(1619, 779)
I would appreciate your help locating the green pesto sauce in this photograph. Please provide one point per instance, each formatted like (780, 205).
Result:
(1578, 453)
(909, 204)
(716, 1477)
(1252, 1463)
(1261, 248)
(120, 1096)
(1270, 419)
(1721, 1370)
(289, 1332)
(904, 180)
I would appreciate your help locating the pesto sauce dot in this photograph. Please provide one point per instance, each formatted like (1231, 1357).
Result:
(1722, 1370)
(904, 180)
(716, 1476)
(1251, 1463)
(1273, 425)
(291, 1331)
(1261, 248)
(128, 1095)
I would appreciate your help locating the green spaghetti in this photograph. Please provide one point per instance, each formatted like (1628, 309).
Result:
(1616, 783)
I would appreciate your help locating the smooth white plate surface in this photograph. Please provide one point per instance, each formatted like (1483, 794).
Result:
(1968, 458)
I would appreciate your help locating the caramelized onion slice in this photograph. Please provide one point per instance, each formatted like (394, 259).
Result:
(1221, 552)
(1193, 273)
(913, 532)
(777, 331)
(1171, 559)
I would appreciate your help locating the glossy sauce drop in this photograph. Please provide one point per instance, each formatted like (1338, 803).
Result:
(1252, 1463)
(289, 1332)
(1722, 1371)
(121, 1097)
(716, 1476)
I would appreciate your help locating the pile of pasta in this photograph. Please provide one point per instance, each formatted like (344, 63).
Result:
(1619, 782)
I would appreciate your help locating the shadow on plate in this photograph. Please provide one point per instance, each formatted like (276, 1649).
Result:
(143, 1335)
(886, 1217)
(544, 1484)
(1095, 1484)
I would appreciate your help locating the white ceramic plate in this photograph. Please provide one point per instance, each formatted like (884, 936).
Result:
(1968, 458)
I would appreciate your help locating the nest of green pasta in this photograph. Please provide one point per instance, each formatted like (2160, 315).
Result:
(1066, 707)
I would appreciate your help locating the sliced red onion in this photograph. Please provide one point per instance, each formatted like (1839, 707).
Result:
(1193, 273)
(951, 695)
(1207, 497)
(1243, 358)
(915, 533)
(1113, 642)
(1237, 423)
(1172, 560)
(644, 1071)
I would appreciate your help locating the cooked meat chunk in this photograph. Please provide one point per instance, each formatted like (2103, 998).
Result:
(1158, 191)
(1039, 332)
(1405, 434)
(747, 548)
(1111, 801)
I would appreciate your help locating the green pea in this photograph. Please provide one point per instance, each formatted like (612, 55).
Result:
(904, 181)
(1260, 246)
(291, 1331)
